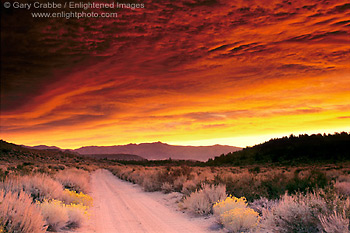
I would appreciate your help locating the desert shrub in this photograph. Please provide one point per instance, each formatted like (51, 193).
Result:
(203, 176)
(234, 214)
(239, 185)
(178, 183)
(198, 203)
(344, 178)
(38, 186)
(261, 204)
(168, 176)
(77, 214)
(59, 215)
(290, 216)
(315, 179)
(334, 223)
(136, 177)
(167, 187)
(153, 179)
(24, 169)
(183, 171)
(343, 187)
(273, 185)
(41, 187)
(11, 185)
(74, 179)
(19, 214)
(201, 201)
(214, 192)
(255, 170)
(55, 214)
(72, 197)
(3, 174)
(304, 213)
(188, 187)
(125, 174)
(150, 184)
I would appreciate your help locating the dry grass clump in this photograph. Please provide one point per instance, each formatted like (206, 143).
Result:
(74, 179)
(201, 201)
(19, 214)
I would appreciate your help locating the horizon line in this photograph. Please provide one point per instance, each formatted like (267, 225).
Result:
(193, 143)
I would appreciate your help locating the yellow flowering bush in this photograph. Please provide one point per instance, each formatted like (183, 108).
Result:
(240, 219)
(77, 198)
(234, 214)
(229, 203)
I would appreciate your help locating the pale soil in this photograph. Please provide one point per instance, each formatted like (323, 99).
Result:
(123, 207)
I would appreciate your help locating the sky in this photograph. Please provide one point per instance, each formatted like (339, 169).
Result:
(194, 72)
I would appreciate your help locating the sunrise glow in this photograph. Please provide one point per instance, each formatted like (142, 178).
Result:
(181, 72)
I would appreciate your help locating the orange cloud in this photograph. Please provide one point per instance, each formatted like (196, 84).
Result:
(190, 71)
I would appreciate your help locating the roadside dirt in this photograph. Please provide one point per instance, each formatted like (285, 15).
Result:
(122, 207)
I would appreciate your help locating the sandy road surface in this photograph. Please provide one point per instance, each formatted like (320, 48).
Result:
(122, 207)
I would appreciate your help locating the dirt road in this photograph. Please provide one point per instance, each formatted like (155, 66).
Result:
(122, 207)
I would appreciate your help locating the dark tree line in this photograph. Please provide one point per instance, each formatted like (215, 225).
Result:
(315, 148)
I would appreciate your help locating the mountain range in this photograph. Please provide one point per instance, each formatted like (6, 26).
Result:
(43, 147)
(154, 151)
(125, 157)
(159, 151)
